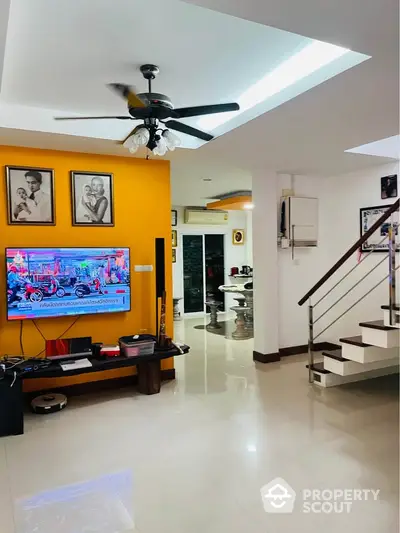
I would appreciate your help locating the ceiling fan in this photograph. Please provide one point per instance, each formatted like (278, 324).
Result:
(155, 109)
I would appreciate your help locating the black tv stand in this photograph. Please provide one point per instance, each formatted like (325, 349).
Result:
(11, 398)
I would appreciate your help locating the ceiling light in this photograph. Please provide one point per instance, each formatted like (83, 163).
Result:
(172, 141)
(310, 59)
(158, 140)
(248, 206)
(134, 148)
(141, 136)
(161, 147)
(131, 144)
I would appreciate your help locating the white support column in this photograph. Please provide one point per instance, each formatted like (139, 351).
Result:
(249, 238)
(265, 263)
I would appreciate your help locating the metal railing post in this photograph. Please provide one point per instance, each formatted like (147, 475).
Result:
(392, 271)
(310, 342)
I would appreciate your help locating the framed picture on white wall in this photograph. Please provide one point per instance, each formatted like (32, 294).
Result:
(389, 187)
(238, 236)
(368, 217)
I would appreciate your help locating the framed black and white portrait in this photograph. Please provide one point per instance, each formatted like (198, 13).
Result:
(30, 196)
(92, 199)
(389, 187)
(174, 217)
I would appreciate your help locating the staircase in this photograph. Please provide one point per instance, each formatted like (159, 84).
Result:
(372, 354)
(375, 352)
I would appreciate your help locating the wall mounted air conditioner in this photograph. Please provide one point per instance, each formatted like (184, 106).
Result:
(210, 217)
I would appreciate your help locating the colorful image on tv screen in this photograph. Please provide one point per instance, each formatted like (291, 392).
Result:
(51, 282)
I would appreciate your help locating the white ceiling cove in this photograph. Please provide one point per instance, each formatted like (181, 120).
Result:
(389, 147)
(58, 56)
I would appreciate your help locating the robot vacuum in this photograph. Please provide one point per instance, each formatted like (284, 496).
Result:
(48, 403)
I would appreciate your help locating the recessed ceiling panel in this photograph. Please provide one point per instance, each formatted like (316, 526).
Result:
(389, 147)
(61, 54)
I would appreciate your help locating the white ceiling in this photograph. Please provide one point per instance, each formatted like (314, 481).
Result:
(59, 55)
(81, 49)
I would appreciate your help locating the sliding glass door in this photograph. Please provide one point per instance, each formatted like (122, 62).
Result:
(203, 271)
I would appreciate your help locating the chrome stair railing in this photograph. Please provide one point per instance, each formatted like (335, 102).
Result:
(391, 276)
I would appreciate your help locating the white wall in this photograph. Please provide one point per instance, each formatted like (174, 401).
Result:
(234, 255)
(249, 238)
(340, 200)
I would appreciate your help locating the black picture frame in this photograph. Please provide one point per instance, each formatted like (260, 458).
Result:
(80, 180)
(174, 217)
(22, 207)
(389, 187)
(368, 216)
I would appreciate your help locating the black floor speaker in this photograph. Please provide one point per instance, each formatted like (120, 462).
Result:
(160, 267)
(160, 274)
(11, 406)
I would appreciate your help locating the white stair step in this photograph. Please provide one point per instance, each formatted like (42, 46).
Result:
(324, 378)
(386, 317)
(377, 334)
(337, 364)
(354, 349)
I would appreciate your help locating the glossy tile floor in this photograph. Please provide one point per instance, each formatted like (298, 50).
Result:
(194, 458)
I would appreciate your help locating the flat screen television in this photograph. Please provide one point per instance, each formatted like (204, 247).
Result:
(52, 282)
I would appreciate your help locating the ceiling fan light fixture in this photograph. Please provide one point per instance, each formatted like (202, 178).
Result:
(141, 136)
(161, 147)
(129, 142)
(134, 148)
(171, 140)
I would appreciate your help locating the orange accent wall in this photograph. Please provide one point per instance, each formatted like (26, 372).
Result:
(142, 210)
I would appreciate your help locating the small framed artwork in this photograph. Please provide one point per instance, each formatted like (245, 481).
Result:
(30, 196)
(174, 238)
(92, 199)
(174, 255)
(389, 187)
(174, 217)
(238, 236)
(368, 217)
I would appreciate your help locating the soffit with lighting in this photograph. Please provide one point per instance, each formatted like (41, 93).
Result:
(233, 203)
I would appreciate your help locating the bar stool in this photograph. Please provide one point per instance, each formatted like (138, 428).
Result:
(177, 314)
(213, 324)
(241, 332)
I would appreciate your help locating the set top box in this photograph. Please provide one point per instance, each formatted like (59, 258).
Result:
(51, 282)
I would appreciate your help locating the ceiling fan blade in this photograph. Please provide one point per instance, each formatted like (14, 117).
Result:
(184, 128)
(185, 112)
(128, 93)
(91, 118)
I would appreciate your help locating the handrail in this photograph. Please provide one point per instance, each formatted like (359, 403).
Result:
(350, 252)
